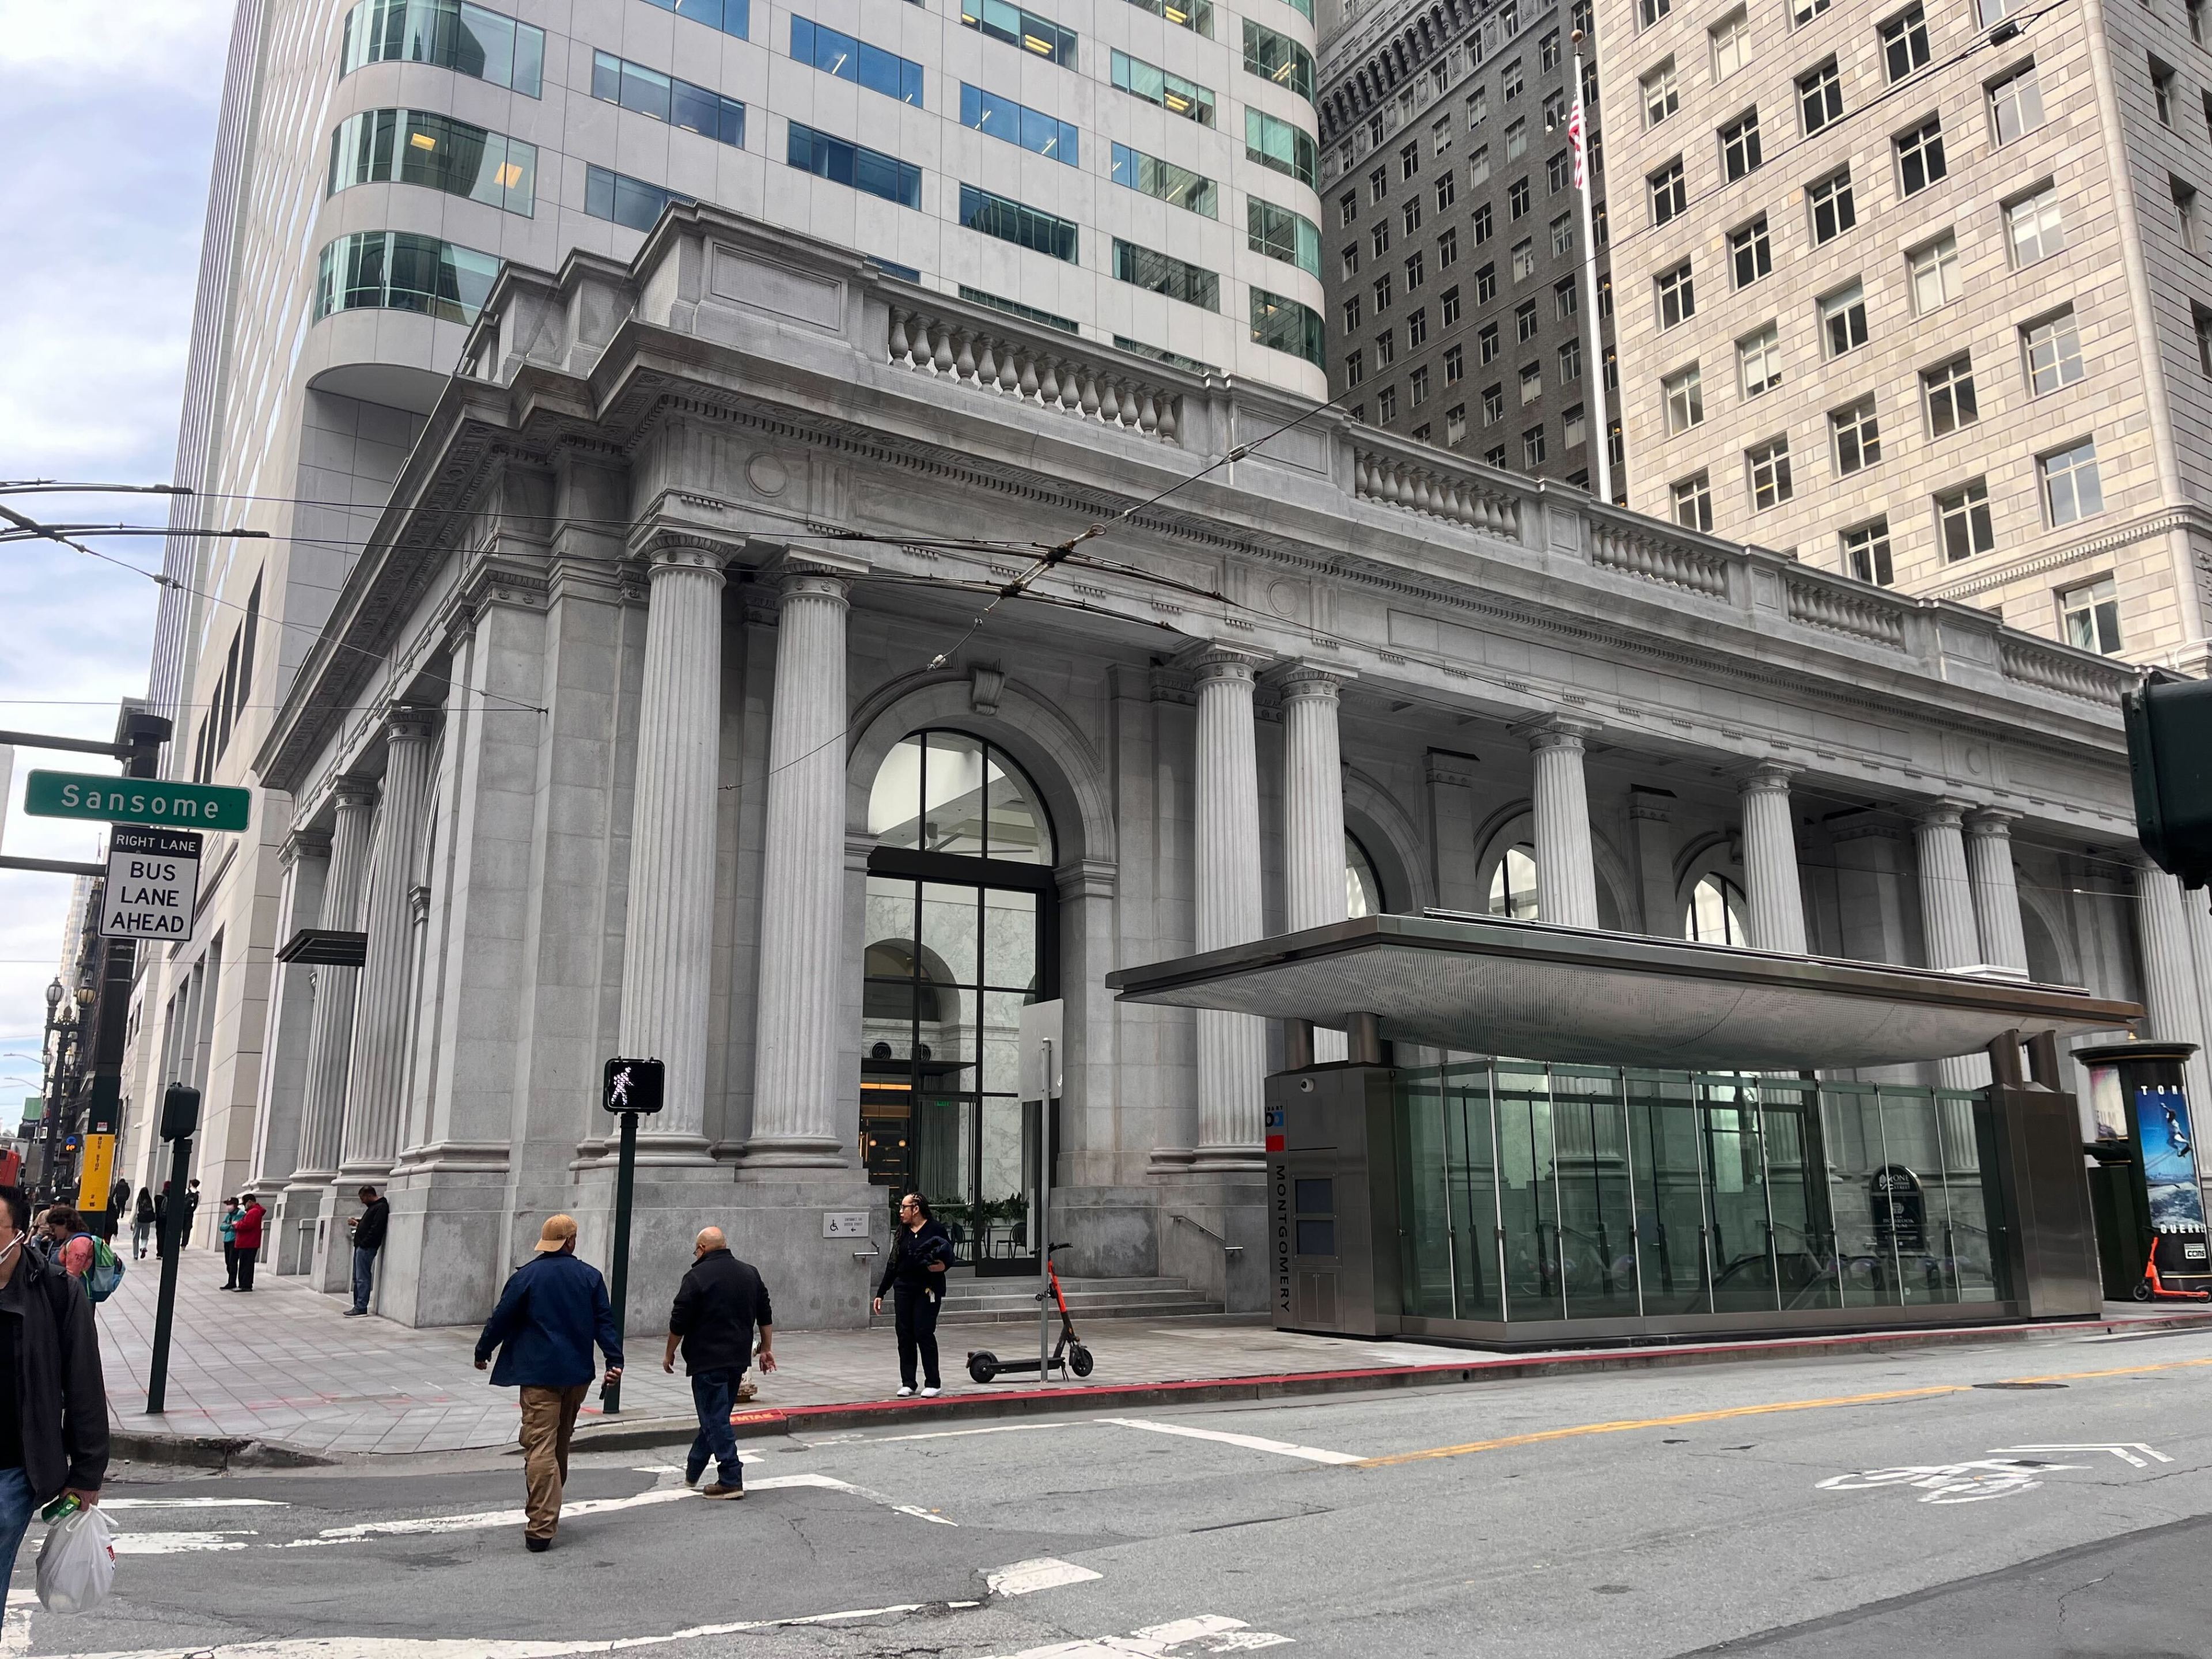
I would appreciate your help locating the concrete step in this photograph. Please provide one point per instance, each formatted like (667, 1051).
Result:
(1010, 1301)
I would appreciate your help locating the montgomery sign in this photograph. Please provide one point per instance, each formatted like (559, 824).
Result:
(134, 800)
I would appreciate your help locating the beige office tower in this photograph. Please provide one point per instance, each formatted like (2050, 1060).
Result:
(1919, 294)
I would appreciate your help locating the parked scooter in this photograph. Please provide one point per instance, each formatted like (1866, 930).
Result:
(1068, 1354)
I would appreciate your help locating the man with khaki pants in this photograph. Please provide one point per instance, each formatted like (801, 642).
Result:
(551, 1311)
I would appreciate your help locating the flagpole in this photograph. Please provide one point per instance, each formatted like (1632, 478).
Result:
(1600, 437)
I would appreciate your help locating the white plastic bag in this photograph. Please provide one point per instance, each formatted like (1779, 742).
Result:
(77, 1562)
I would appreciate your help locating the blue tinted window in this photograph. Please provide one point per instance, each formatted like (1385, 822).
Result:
(627, 201)
(469, 39)
(1018, 26)
(846, 163)
(398, 271)
(1002, 118)
(835, 52)
(731, 16)
(1013, 222)
(694, 108)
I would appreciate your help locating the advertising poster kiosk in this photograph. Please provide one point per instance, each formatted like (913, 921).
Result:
(2150, 1202)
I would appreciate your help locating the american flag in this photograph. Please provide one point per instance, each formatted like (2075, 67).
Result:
(1577, 137)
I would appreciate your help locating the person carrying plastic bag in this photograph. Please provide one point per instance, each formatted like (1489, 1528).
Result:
(53, 1403)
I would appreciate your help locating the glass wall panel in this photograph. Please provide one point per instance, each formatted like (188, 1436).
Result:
(951, 932)
(1796, 1197)
(1597, 1252)
(1010, 938)
(1528, 1196)
(1471, 1162)
(1016, 831)
(1741, 1238)
(1424, 1199)
(1865, 1258)
(1670, 1193)
(953, 807)
(896, 796)
(1908, 1200)
(1972, 1244)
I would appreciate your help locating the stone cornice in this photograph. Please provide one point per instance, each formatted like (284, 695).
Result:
(2161, 523)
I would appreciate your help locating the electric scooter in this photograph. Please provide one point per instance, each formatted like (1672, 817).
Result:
(1068, 1354)
(2153, 1288)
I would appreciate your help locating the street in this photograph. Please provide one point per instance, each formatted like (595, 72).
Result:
(2020, 1499)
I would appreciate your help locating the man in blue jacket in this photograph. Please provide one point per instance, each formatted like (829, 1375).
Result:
(551, 1311)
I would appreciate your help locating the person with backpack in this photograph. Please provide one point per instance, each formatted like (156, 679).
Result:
(142, 1222)
(89, 1259)
(921, 1252)
(246, 1229)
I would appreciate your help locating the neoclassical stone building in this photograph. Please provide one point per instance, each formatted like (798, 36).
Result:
(678, 707)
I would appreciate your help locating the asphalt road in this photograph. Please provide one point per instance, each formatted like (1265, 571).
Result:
(1896, 1504)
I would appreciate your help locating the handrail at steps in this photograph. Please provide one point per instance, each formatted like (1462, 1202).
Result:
(1227, 1249)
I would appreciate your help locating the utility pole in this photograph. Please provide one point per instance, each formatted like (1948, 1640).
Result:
(1600, 432)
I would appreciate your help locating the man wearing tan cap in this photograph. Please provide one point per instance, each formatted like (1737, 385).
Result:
(551, 1311)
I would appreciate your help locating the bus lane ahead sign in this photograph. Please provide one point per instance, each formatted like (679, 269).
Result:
(152, 882)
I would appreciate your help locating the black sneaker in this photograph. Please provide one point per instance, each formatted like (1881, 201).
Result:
(536, 1545)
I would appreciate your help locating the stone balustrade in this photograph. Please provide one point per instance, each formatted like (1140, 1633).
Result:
(2070, 673)
(1830, 605)
(1435, 490)
(998, 361)
(1646, 551)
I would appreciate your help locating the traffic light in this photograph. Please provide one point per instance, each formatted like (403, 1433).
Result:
(2169, 723)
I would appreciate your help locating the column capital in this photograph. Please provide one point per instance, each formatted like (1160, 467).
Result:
(353, 794)
(404, 723)
(1994, 821)
(1768, 778)
(1939, 815)
(1556, 731)
(669, 556)
(303, 843)
(1218, 660)
(1316, 681)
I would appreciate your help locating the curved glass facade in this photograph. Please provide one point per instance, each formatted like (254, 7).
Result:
(400, 271)
(416, 147)
(471, 40)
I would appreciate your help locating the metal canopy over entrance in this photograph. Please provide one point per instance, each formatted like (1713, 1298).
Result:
(1490, 985)
(1642, 1170)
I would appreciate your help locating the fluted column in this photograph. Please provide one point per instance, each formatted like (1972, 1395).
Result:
(1947, 917)
(802, 963)
(1231, 1048)
(379, 1064)
(1566, 871)
(329, 1029)
(1996, 889)
(1314, 892)
(2169, 972)
(1776, 901)
(668, 938)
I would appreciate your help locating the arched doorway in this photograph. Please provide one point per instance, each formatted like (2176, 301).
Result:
(1717, 913)
(961, 931)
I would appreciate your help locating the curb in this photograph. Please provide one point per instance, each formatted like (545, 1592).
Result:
(648, 1432)
(217, 1452)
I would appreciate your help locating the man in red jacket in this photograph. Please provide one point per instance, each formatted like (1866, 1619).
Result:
(246, 1235)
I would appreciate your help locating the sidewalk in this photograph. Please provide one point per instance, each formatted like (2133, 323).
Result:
(283, 1366)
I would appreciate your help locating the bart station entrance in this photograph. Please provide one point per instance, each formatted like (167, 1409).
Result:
(1613, 1138)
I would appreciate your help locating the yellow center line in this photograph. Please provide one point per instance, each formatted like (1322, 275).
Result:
(1723, 1415)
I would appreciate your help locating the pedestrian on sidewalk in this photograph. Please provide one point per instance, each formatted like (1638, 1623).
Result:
(230, 1209)
(718, 1305)
(553, 1309)
(53, 1403)
(142, 1221)
(162, 1222)
(369, 1228)
(191, 1209)
(246, 1239)
(66, 1243)
(118, 1205)
(921, 1252)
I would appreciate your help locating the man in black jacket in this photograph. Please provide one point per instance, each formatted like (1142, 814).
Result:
(368, 1230)
(53, 1403)
(718, 1304)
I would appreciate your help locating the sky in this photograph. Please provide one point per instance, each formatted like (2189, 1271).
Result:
(108, 123)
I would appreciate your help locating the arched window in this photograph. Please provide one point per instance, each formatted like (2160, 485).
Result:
(1513, 889)
(961, 931)
(1363, 888)
(1716, 913)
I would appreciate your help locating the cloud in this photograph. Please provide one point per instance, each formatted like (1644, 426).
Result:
(109, 122)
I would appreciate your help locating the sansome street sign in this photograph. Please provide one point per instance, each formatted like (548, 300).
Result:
(153, 881)
(136, 800)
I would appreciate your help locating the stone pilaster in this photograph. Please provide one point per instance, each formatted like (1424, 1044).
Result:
(1451, 780)
(1947, 917)
(1314, 891)
(379, 1061)
(1651, 825)
(803, 968)
(2169, 974)
(1996, 887)
(329, 1028)
(1775, 900)
(668, 938)
(1566, 870)
(1231, 1048)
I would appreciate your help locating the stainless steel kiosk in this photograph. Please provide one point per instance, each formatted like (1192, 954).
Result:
(1610, 1137)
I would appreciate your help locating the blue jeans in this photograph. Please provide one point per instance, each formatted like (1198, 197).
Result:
(16, 1508)
(713, 1392)
(364, 1275)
